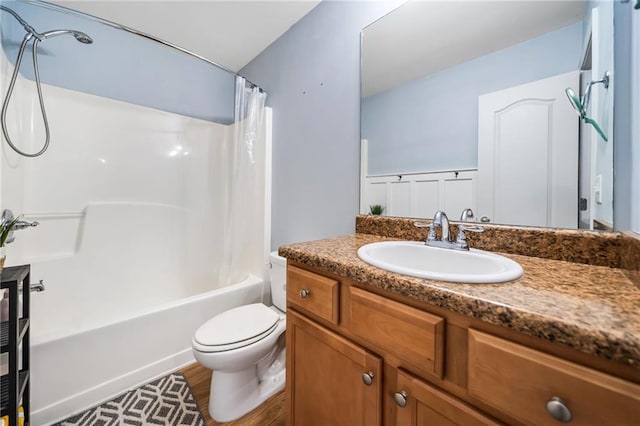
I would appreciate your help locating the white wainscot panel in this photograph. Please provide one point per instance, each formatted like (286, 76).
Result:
(400, 204)
(458, 195)
(376, 194)
(422, 194)
(427, 197)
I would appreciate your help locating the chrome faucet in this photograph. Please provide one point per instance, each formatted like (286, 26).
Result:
(7, 218)
(440, 220)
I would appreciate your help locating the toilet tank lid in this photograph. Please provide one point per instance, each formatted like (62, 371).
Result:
(277, 259)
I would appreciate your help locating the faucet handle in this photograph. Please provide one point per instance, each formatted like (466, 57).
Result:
(462, 238)
(432, 232)
(472, 228)
(466, 215)
(22, 224)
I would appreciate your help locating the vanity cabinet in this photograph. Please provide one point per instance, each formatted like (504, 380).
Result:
(360, 357)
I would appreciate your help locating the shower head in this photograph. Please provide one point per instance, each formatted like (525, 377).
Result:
(575, 101)
(80, 36)
(581, 105)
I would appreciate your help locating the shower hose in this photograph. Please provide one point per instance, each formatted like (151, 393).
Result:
(3, 117)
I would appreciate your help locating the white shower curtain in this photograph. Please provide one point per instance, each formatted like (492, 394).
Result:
(245, 190)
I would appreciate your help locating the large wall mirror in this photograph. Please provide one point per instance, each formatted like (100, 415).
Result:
(505, 107)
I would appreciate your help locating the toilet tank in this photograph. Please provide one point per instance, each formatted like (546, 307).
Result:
(278, 280)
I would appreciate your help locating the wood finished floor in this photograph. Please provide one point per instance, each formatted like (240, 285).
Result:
(271, 413)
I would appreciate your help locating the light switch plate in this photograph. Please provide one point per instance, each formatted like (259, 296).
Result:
(597, 189)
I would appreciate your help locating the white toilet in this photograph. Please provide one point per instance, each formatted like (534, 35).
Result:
(244, 347)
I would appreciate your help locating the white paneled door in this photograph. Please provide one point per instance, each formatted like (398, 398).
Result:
(528, 154)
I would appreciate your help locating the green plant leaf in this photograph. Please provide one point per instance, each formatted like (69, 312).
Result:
(376, 209)
(5, 229)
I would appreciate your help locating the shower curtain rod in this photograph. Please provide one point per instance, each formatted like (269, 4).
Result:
(68, 11)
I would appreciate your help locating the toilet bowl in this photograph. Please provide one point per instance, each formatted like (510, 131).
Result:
(244, 347)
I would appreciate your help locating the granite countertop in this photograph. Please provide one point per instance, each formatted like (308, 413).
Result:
(592, 309)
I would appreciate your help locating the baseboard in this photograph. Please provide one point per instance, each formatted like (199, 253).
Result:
(103, 392)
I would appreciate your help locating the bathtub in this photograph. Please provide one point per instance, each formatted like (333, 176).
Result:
(75, 371)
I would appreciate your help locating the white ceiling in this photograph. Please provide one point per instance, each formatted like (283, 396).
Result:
(423, 37)
(229, 33)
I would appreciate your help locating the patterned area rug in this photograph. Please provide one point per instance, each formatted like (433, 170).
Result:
(166, 401)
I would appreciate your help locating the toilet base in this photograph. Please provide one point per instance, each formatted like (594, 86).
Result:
(234, 394)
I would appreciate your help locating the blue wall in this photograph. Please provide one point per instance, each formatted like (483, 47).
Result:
(120, 65)
(624, 214)
(431, 123)
(312, 75)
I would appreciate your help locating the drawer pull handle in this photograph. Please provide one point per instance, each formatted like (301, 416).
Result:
(558, 410)
(367, 378)
(400, 398)
(304, 293)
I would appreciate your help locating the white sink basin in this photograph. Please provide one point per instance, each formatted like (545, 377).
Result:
(419, 260)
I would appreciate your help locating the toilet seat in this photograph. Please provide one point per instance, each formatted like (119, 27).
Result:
(236, 328)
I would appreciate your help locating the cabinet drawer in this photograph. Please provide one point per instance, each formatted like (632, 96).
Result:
(408, 333)
(520, 381)
(313, 293)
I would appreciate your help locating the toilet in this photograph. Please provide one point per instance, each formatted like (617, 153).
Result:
(244, 347)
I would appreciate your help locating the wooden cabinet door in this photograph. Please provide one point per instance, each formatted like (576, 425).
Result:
(426, 405)
(325, 383)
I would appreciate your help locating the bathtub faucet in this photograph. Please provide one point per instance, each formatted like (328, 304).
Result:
(37, 287)
(8, 217)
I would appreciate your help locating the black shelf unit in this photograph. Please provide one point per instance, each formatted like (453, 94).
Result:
(13, 333)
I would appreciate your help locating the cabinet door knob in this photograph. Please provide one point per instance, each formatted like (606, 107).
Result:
(558, 410)
(304, 293)
(367, 378)
(400, 398)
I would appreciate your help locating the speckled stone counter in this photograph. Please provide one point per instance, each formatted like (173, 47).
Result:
(590, 308)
